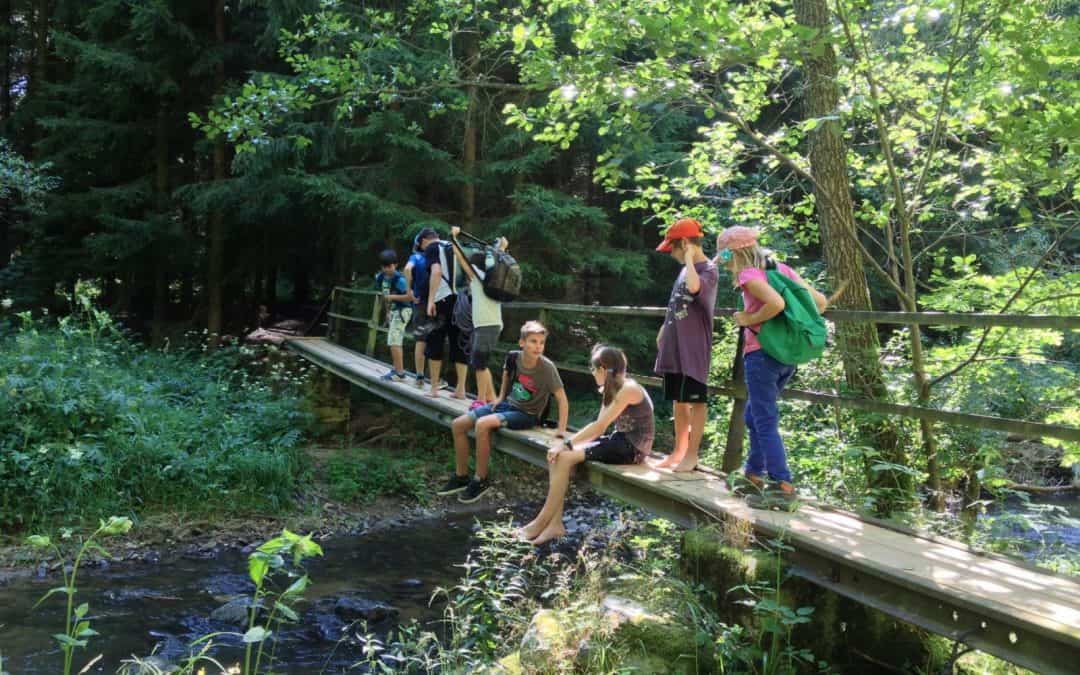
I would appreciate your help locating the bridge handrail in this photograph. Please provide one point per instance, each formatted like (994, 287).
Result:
(737, 390)
(969, 319)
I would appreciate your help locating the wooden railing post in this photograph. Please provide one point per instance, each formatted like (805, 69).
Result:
(373, 326)
(334, 324)
(733, 449)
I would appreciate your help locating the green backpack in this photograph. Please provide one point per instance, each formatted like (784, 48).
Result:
(796, 335)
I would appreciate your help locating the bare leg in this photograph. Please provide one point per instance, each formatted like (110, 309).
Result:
(682, 436)
(485, 385)
(397, 355)
(462, 370)
(436, 370)
(485, 426)
(418, 357)
(549, 521)
(461, 428)
(698, 412)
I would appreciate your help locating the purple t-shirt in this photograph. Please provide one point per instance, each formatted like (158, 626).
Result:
(686, 342)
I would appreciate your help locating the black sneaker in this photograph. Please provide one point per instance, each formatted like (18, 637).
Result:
(474, 491)
(454, 485)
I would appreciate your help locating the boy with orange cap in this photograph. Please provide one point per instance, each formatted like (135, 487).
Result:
(684, 343)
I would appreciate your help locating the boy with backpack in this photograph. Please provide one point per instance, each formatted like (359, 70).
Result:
(486, 315)
(440, 298)
(395, 291)
(684, 343)
(529, 381)
(755, 272)
(416, 274)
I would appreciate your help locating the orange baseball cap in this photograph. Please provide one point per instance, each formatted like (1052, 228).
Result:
(684, 228)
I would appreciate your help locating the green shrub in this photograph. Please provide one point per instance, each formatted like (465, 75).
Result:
(360, 476)
(92, 423)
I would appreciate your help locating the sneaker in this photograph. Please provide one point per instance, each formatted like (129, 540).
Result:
(745, 484)
(454, 485)
(778, 496)
(393, 376)
(474, 491)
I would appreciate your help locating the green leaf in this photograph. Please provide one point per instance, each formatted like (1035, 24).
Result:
(297, 587)
(81, 610)
(53, 591)
(68, 641)
(38, 540)
(287, 611)
(256, 634)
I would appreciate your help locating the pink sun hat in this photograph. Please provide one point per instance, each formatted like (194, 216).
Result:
(737, 237)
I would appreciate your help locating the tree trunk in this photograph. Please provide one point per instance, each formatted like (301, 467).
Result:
(161, 190)
(858, 344)
(468, 207)
(40, 72)
(215, 268)
(6, 69)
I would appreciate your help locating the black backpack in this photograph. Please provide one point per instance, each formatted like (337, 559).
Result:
(502, 274)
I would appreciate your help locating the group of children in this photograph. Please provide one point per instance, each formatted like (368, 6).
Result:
(530, 380)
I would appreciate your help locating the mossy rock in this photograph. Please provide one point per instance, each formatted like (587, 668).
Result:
(708, 561)
(654, 622)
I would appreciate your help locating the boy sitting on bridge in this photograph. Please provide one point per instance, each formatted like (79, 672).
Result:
(529, 380)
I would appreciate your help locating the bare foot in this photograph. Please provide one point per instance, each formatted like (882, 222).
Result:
(458, 395)
(685, 466)
(669, 461)
(433, 394)
(551, 532)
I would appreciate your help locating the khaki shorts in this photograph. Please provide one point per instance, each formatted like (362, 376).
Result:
(399, 319)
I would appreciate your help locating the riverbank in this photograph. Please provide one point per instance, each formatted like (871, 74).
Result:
(321, 507)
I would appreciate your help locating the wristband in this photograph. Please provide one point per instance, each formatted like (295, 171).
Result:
(568, 443)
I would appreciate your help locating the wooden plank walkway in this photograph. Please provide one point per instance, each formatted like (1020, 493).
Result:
(999, 605)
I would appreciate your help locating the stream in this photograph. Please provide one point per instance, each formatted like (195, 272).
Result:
(384, 577)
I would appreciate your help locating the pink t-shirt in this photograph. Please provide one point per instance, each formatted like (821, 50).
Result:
(752, 304)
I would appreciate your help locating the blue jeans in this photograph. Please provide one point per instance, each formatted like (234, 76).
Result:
(509, 416)
(765, 379)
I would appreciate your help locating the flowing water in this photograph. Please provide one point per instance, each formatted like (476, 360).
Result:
(388, 576)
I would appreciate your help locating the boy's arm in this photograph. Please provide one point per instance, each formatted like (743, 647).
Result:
(433, 287)
(408, 280)
(564, 411)
(407, 296)
(462, 261)
(692, 281)
(503, 387)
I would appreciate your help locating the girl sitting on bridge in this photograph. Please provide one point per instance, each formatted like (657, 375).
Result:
(627, 404)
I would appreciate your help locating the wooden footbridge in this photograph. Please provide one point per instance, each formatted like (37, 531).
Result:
(999, 605)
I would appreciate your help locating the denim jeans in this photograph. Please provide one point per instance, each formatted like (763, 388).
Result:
(509, 416)
(765, 379)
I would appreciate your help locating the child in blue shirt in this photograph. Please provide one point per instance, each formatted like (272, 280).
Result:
(395, 291)
(416, 274)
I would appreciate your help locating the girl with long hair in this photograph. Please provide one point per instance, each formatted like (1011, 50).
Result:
(627, 405)
(747, 262)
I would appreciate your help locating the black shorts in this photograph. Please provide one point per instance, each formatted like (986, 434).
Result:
(484, 340)
(612, 449)
(446, 332)
(684, 389)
